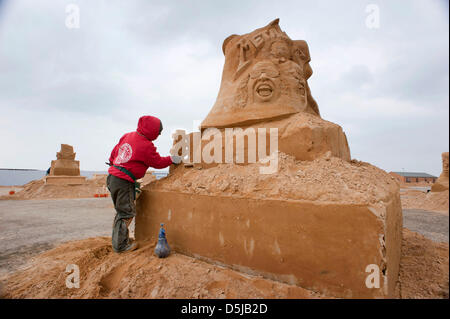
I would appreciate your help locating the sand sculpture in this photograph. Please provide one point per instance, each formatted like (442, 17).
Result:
(441, 183)
(65, 169)
(321, 221)
(264, 85)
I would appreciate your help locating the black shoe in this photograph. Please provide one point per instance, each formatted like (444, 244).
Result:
(129, 247)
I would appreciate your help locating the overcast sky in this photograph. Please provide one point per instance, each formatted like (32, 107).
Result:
(387, 86)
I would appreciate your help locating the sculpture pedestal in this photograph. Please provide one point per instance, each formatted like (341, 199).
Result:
(325, 247)
(65, 180)
(65, 167)
(302, 135)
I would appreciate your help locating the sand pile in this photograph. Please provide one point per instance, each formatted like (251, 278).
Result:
(148, 178)
(139, 274)
(415, 184)
(423, 267)
(98, 179)
(326, 179)
(37, 189)
(434, 201)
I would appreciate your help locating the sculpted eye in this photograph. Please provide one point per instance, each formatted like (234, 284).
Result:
(271, 73)
(300, 54)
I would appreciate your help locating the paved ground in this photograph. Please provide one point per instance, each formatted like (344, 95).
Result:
(28, 227)
(432, 225)
(418, 188)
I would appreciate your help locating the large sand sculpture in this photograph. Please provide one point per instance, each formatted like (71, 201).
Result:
(320, 221)
(65, 169)
(441, 183)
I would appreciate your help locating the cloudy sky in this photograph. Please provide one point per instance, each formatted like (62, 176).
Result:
(387, 85)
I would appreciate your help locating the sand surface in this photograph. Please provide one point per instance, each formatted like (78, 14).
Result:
(423, 267)
(139, 274)
(37, 189)
(326, 179)
(419, 199)
(37, 226)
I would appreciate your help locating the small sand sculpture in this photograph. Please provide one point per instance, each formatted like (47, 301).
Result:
(65, 169)
(65, 163)
(320, 221)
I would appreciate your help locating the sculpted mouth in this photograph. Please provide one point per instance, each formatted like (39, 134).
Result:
(264, 90)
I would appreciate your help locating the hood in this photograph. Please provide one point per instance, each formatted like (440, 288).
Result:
(149, 126)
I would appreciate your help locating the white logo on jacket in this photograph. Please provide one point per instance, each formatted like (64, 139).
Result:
(124, 154)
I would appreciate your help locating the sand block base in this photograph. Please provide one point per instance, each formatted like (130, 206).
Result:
(63, 167)
(65, 180)
(325, 247)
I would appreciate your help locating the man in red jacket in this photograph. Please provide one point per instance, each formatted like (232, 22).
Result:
(129, 161)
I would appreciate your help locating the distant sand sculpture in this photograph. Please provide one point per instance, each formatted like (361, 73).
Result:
(65, 169)
(441, 183)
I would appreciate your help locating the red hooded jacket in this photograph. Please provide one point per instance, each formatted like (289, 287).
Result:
(136, 152)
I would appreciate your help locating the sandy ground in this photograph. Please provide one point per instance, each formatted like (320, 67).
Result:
(418, 198)
(38, 189)
(138, 274)
(423, 267)
(39, 225)
(346, 182)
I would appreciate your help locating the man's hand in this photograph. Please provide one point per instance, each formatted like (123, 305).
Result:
(176, 159)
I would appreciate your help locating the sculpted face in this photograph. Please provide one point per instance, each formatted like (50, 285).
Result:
(280, 51)
(264, 77)
(264, 82)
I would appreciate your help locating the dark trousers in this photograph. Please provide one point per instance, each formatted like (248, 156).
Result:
(122, 194)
